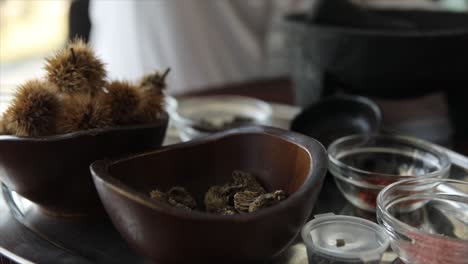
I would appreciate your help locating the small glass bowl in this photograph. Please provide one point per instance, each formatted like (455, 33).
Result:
(363, 165)
(203, 115)
(427, 220)
(333, 238)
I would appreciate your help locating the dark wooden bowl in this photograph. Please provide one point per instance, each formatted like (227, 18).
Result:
(280, 159)
(53, 171)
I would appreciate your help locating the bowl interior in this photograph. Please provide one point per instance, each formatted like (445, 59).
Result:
(277, 163)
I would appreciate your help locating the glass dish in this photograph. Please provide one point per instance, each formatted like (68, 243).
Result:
(427, 220)
(203, 115)
(333, 238)
(362, 165)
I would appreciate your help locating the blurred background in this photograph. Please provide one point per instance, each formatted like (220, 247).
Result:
(208, 44)
(29, 30)
(32, 29)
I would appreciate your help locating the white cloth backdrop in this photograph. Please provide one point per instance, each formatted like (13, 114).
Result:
(205, 42)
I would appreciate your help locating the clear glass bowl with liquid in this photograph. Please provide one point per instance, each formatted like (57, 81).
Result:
(363, 165)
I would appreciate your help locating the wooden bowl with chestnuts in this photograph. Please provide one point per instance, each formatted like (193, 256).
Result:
(176, 232)
(53, 171)
(56, 126)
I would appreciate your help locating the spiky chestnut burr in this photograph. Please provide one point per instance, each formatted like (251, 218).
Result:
(122, 98)
(76, 69)
(151, 107)
(2, 127)
(155, 80)
(81, 112)
(33, 111)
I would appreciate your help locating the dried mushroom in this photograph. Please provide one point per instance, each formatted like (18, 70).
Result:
(216, 198)
(243, 194)
(247, 182)
(243, 200)
(176, 197)
(266, 200)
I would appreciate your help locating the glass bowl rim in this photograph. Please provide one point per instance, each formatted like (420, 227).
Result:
(321, 220)
(385, 218)
(414, 142)
(183, 121)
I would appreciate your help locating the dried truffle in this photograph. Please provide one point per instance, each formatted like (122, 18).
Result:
(122, 99)
(267, 200)
(76, 69)
(81, 112)
(33, 110)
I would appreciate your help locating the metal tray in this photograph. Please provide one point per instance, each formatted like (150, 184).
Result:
(27, 236)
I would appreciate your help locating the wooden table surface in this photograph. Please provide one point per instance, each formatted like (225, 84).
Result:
(278, 90)
(416, 113)
(274, 90)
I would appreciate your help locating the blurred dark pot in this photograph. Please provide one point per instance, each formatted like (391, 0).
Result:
(385, 62)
